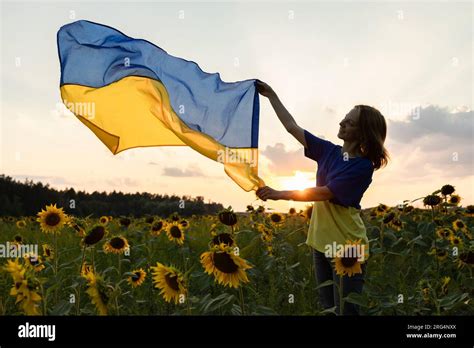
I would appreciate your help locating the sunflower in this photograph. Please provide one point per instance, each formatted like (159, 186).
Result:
(459, 225)
(125, 221)
(348, 263)
(104, 220)
(24, 287)
(250, 208)
(260, 209)
(396, 224)
(184, 223)
(116, 245)
(86, 269)
(432, 200)
(21, 223)
(227, 217)
(381, 209)
(52, 219)
(292, 211)
(18, 239)
(48, 252)
(466, 259)
(157, 228)
(388, 217)
(454, 199)
(26, 296)
(447, 190)
(228, 269)
(444, 233)
(223, 238)
(170, 281)
(469, 210)
(78, 227)
(456, 241)
(175, 233)
(97, 291)
(265, 233)
(137, 278)
(94, 235)
(34, 261)
(174, 217)
(276, 219)
(439, 253)
(15, 269)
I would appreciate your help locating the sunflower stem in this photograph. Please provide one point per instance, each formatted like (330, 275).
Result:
(44, 299)
(83, 257)
(92, 255)
(119, 267)
(242, 305)
(341, 300)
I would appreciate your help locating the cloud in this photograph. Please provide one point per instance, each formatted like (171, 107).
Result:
(439, 142)
(121, 182)
(285, 163)
(193, 171)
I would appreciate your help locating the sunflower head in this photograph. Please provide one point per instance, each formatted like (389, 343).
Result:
(52, 219)
(223, 238)
(116, 245)
(227, 217)
(348, 262)
(125, 221)
(459, 225)
(276, 218)
(432, 200)
(454, 199)
(94, 235)
(137, 278)
(227, 268)
(381, 209)
(250, 208)
(170, 281)
(184, 223)
(21, 224)
(157, 227)
(388, 217)
(18, 239)
(175, 233)
(447, 190)
(104, 220)
(48, 252)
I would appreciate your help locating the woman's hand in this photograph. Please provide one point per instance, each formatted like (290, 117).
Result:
(266, 192)
(264, 89)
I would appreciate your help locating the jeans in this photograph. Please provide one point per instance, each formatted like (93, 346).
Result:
(329, 295)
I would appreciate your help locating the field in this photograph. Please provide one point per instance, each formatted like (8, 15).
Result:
(253, 263)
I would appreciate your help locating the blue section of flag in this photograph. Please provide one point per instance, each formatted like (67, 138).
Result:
(96, 55)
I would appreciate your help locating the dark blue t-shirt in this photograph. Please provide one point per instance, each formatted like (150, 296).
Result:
(346, 179)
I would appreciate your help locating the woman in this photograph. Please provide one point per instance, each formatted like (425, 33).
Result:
(344, 174)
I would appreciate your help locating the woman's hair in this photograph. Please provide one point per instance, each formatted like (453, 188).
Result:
(373, 131)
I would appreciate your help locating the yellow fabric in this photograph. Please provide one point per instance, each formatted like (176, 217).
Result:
(136, 112)
(334, 223)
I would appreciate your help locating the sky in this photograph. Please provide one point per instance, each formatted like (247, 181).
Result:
(411, 60)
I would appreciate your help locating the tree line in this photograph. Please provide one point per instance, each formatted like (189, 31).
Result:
(28, 198)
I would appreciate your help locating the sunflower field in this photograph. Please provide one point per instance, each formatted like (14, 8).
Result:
(252, 263)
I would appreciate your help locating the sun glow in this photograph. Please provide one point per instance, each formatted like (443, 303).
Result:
(300, 181)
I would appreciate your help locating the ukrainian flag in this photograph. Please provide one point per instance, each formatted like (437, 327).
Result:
(131, 93)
